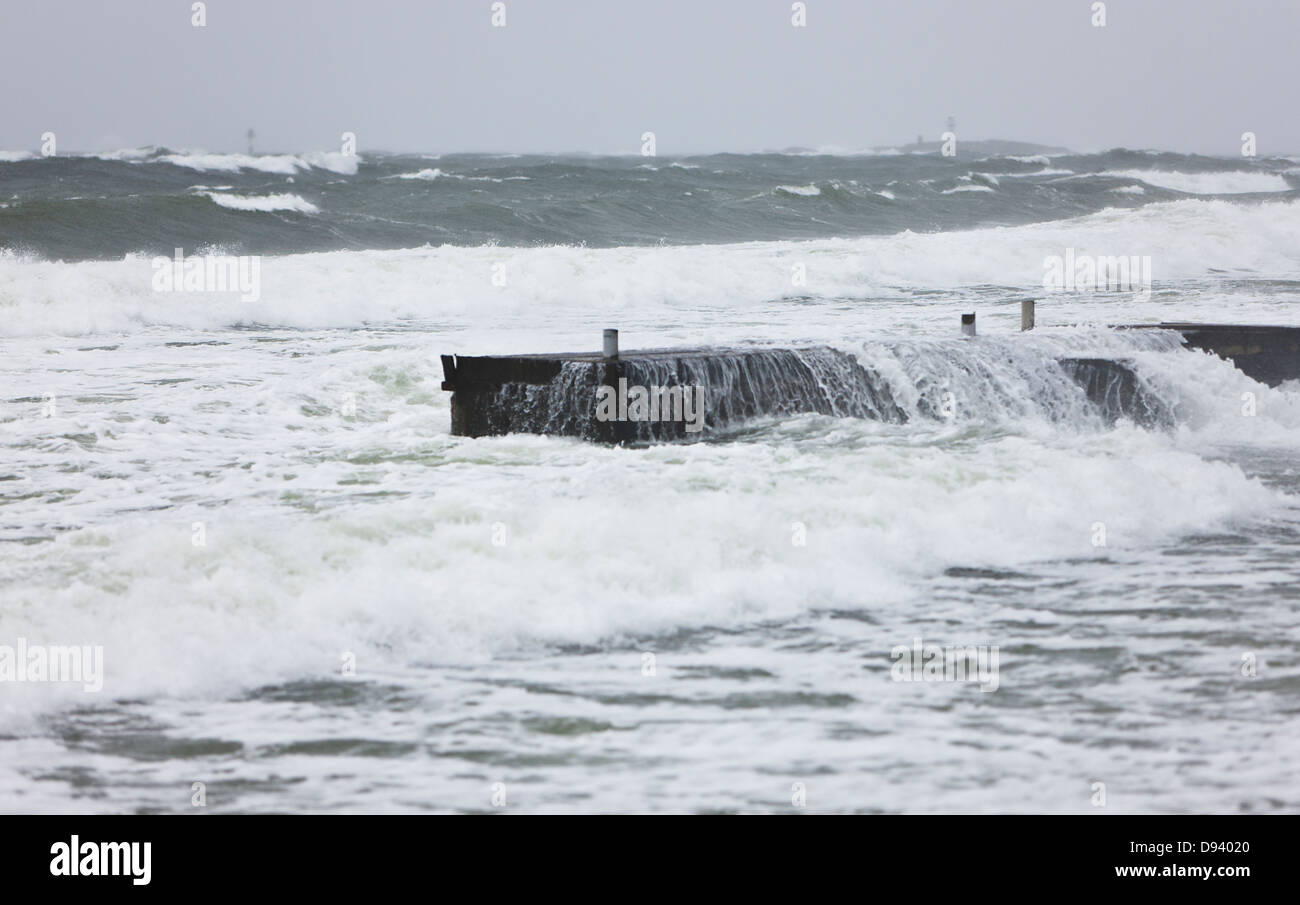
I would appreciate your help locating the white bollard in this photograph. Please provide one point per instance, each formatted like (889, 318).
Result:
(968, 324)
(610, 343)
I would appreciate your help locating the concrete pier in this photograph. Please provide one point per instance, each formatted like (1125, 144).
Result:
(1113, 387)
(674, 394)
(558, 394)
(1268, 354)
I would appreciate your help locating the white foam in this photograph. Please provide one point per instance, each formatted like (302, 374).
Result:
(1205, 183)
(15, 156)
(1046, 171)
(837, 151)
(282, 202)
(1185, 239)
(277, 593)
(430, 175)
(284, 164)
(807, 191)
(281, 164)
(334, 161)
(130, 155)
(427, 174)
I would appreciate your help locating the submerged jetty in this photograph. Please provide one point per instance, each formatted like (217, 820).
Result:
(1270, 355)
(559, 394)
(655, 395)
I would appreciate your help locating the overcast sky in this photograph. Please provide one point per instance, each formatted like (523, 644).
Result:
(592, 75)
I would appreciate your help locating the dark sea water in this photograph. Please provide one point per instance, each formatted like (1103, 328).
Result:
(311, 597)
(152, 199)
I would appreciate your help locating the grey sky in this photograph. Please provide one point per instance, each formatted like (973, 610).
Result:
(592, 75)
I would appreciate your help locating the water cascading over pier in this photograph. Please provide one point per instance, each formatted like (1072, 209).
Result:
(895, 381)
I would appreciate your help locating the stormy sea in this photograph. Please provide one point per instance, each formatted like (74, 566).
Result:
(286, 580)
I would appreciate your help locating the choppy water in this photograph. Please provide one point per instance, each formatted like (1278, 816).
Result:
(151, 200)
(500, 595)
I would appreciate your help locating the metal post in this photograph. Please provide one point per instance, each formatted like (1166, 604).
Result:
(610, 343)
(968, 324)
(1027, 314)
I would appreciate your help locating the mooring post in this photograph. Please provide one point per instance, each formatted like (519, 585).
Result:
(968, 324)
(610, 343)
(1027, 314)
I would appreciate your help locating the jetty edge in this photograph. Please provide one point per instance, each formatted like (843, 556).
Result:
(1269, 354)
(556, 394)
